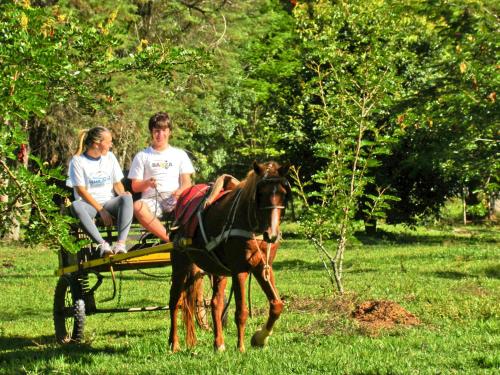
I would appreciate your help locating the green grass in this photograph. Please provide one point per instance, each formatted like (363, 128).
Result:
(448, 278)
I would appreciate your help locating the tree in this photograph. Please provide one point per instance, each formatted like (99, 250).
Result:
(352, 84)
(44, 61)
(449, 143)
(48, 60)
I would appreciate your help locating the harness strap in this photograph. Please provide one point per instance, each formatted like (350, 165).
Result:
(225, 235)
(221, 238)
(201, 226)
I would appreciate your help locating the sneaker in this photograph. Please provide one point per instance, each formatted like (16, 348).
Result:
(119, 248)
(104, 249)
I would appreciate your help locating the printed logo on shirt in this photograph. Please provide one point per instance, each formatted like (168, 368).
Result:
(161, 164)
(99, 181)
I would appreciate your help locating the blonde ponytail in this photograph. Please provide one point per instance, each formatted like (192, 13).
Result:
(81, 137)
(87, 137)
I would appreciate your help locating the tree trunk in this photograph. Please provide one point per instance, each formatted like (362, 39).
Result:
(13, 233)
(370, 226)
(464, 206)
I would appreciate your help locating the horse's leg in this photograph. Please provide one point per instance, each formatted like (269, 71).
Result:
(241, 313)
(178, 281)
(191, 287)
(261, 337)
(180, 270)
(217, 302)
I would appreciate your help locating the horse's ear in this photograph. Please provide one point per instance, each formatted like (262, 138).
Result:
(283, 170)
(257, 168)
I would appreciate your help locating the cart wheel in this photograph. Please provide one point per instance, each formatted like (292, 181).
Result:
(202, 311)
(69, 311)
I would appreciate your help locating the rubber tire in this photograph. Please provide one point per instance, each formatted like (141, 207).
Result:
(69, 327)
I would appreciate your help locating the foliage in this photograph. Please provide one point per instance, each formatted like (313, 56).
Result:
(267, 80)
(50, 59)
(44, 61)
(225, 118)
(449, 113)
(220, 110)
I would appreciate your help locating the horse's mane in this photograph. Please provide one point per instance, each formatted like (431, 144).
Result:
(249, 186)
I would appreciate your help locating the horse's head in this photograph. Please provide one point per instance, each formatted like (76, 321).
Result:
(272, 192)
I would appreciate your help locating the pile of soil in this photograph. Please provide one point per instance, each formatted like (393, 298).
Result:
(376, 315)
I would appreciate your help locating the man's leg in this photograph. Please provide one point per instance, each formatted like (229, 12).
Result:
(150, 222)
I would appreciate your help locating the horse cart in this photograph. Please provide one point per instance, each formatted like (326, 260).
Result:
(74, 296)
(229, 229)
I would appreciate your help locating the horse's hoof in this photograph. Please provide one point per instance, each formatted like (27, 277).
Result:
(175, 348)
(220, 349)
(260, 338)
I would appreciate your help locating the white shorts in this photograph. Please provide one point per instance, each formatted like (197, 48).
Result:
(165, 202)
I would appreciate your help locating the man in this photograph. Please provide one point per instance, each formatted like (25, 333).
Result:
(160, 172)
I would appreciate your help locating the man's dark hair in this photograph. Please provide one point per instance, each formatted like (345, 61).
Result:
(160, 120)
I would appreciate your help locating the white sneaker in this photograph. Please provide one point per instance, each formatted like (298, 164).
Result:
(104, 249)
(119, 248)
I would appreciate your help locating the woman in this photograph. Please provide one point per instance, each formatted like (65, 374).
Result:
(95, 176)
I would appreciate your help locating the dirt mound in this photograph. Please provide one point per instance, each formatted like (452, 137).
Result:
(376, 315)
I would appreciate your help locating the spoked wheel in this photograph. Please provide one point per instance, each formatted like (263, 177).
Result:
(202, 311)
(69, 311)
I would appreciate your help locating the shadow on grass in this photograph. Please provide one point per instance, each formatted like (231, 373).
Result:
(17, 351)
(117, 333)
(476, 236)
(297, 265)
(492, 272)
(31, 276)
(455, 275)
(21, 314)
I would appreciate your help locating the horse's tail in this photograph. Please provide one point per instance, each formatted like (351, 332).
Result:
(188, 305)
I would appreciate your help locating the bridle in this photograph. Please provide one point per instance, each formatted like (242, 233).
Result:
(283, 182)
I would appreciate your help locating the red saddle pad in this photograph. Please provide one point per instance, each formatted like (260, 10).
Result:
(188, 205)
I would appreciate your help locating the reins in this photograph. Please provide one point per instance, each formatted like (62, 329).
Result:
(267, 267)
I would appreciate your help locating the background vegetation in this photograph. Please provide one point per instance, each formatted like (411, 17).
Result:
(401, 94)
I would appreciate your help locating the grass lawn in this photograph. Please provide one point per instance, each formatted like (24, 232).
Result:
(448, 279)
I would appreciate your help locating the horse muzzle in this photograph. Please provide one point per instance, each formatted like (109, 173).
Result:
(271, 238)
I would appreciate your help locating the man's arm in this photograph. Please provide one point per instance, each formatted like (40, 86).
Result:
(185, 181)
(138, 186)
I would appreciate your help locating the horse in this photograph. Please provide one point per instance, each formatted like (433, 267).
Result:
(238, 234)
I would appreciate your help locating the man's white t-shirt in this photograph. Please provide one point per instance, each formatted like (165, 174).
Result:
(96, 175)
(165, 166)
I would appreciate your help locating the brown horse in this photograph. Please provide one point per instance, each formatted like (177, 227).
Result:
(237, 234)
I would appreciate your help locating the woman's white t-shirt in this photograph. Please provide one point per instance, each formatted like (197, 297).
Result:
(97, 175)
(165, 166)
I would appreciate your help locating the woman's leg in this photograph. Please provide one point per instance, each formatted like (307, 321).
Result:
(86, 213)
(121, 207)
